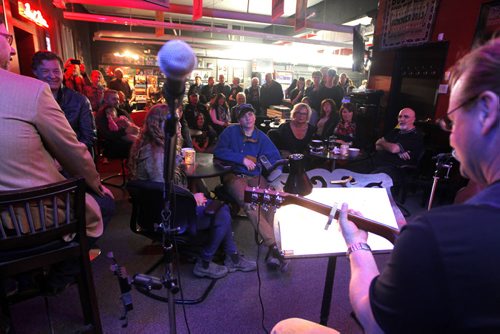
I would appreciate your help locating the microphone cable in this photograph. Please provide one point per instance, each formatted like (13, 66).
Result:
(259, 280)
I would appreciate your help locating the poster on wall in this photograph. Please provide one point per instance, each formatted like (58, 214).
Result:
(2, 12)
(488, 25)
(408, 22)
(238, 73)
(222, 70)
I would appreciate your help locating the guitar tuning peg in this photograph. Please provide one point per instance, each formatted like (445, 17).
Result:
(265, 207)
(253, 206)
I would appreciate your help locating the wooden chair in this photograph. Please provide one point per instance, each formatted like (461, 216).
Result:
(34, 225)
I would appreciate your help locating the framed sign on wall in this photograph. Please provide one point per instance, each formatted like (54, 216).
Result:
(408, 22)
(488, 25)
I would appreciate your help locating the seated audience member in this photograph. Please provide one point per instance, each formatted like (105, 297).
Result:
(362, 88)
(313, 120)
(295, 136)
(184, 128)
(219, 113)
(345, 131)
(117, 140)
(240, 145)
(205, 141)
(192, 109)
(402, 146)
(328, 119)
(146, 163)
(443, 275)
(235, 90)
(240, 99)
(34, 133)
(95, 91)
(153, 92)
(47, 67)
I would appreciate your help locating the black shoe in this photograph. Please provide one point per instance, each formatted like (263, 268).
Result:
(275, 260)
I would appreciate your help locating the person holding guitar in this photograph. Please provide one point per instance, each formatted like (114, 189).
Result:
(243, 146)
(444, 273)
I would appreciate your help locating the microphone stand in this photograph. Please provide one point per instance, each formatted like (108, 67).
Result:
(441, 163)
(168, 280)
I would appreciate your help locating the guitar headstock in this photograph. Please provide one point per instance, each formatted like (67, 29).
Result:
(265, 197)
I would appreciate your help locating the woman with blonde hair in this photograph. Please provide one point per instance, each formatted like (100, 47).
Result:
(294, 136)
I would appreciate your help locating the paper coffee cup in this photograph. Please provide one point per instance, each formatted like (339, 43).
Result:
(189, 155)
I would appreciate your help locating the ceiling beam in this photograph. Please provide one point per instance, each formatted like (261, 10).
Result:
(196, 28)
(214, 13)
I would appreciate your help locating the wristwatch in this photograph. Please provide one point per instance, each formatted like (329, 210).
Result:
(358, 246)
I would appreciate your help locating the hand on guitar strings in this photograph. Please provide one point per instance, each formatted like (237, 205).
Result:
(351, 233)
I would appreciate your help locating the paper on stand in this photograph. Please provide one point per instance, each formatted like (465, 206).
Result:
(302, 231)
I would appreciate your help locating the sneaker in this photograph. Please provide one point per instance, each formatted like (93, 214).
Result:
(214, 270)
(242, 264)
(275, 260)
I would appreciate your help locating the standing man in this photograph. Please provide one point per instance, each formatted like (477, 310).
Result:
(222, 87)
(34, 133)
(443, 275)
(271, 93)
(207, 91)
(252, 94)
(47, 66)
(235, 89)
(314, 92)
(241, 145)
(330, 88)
(120, 84)
(196, 87)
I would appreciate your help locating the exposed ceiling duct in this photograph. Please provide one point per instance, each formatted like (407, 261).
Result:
(201, 29)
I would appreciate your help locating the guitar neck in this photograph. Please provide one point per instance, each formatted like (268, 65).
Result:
(363, 223)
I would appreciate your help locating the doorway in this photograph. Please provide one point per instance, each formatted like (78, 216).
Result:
(25, 43)
(418, 71)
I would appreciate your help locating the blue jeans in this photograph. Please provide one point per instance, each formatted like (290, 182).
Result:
(220, 230)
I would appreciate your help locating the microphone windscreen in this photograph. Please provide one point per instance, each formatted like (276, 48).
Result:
(176, 59)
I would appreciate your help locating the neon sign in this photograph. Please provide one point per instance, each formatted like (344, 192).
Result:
(31, 14)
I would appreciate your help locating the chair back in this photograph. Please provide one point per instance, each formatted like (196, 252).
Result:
(40, 219)
(147, 206)
(43, 226)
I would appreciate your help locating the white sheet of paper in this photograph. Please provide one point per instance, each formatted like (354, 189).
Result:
(302, 231)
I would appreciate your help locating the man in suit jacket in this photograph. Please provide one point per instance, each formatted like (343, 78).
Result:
(34, 133)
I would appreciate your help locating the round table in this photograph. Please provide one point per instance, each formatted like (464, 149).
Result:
(333, 158)
(205, 166)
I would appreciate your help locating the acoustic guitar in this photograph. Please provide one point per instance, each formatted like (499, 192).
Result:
(275, 199)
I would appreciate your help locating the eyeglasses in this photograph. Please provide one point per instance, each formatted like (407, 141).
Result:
(301, 113)
(446, 123)
(8, 37)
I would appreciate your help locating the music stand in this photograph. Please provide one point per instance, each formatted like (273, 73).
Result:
(300, 233)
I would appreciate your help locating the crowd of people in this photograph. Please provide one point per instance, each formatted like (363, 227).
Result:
(47, 131)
